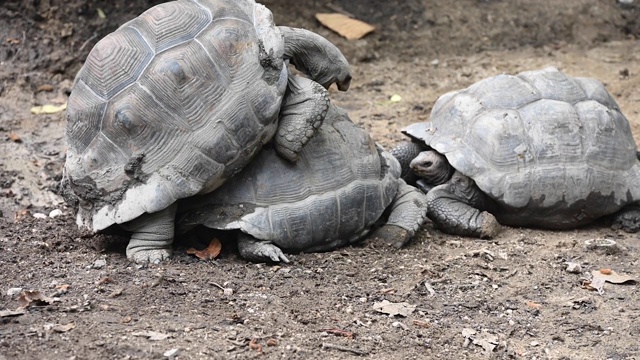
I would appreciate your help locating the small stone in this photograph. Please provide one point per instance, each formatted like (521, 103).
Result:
(14, 291)
(99, 264)
(398, 324)
(39, 216)
(55, 213)
(534, 343)
(574, 268)
(171, 353)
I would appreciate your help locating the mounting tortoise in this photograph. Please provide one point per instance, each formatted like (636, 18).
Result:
(538, 149)
(341, 187)
(179, 99)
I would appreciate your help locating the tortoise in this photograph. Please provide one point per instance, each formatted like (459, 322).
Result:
(179, 99)
(538, 149)
(340, 189)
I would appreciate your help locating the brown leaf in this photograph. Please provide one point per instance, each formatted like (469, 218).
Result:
(272, 342)
(27, 298)
(253, 345)
(44, 87)
(209, 253)
(104, 280)
(14, 137)
(422, 324)
(534, 305)
(612, 277)
(347, 27)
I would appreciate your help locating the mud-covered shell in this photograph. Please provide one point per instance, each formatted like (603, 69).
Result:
(170, 105)
(555, 148)
(340, 186)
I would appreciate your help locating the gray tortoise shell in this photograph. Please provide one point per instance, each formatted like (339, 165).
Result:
(170, 105)
(341, 186)
(537, 140)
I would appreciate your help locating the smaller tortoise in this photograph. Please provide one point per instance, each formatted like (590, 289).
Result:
(538, 149)
(331, 197)
(179, 99)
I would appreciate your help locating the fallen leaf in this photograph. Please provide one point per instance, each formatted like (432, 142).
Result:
(534, 305)
(13, 41)
(48, 109)
(209, 253)
(14, 137)
(17, 312)
(152, 335)
(44, 87)
(612, 277)
(272, 342)
(422, 324)
(350, 28)
(117, 292)
(27, 298)
(101, 13)
(253, 345)
(339, 332)
(387, 307)
(104, 280)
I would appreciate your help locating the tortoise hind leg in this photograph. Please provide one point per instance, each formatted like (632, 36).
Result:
(152, 236)
(455, 208)
(303, 109)
(256, 250)
(407, 213)
(627, 219)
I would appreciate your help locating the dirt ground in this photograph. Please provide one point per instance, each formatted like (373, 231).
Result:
(506, 298)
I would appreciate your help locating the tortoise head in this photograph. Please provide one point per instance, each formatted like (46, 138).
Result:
(432, 166)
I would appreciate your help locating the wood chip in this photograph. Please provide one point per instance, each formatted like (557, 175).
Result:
(352, 29)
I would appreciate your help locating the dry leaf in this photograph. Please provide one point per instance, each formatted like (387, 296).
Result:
(386, 307)
(272, 342)
(17, 312)
(534, 305)
(26, 298)
(613, 277)
(253, 345)
(14, 137)
(48, 109)
(347, 27)
(44, 87)
(209, 253)
(422, 324)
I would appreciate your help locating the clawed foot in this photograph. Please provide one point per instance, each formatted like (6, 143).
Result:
(391, 235)
(153, 256)
(260, 251)
(627, 220)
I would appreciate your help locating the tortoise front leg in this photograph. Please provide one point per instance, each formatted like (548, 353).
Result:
(152, 236)
(407, 213)
(456, 208)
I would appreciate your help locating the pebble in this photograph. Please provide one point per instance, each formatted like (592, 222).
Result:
(39, 216)
(574, 268)
(55, 213)
(398, 324)
(171, 353)
(99, 264)
(14, 291)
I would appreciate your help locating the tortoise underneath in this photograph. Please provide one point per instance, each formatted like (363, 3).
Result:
(339, 189)
(537, 149)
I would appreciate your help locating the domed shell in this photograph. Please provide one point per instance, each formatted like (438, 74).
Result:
(340, 186)
(537, 140)
(170, 105)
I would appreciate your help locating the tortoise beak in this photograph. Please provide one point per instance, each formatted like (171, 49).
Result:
(343, 84)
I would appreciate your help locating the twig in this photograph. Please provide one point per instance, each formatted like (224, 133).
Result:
(24, 37)
(344, 348)
(95, 35)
